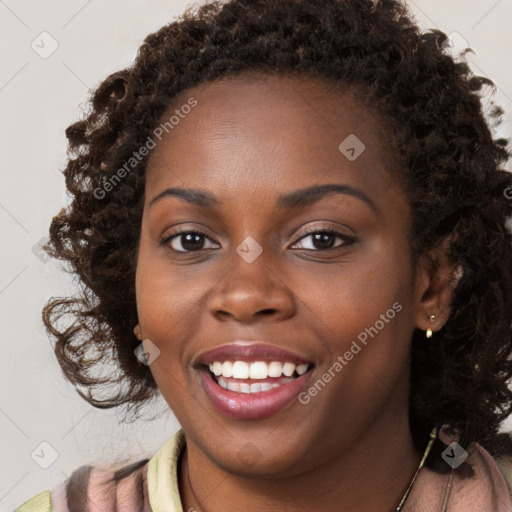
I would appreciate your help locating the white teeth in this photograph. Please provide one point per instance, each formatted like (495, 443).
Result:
(232, 386)
(275, 369)
(256, 370)
(288, 369)
(240, 370)
(301, 369)
(227, 369)
(217, 368)
(244, 387)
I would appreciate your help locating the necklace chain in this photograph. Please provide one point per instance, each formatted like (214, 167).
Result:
(433, 436)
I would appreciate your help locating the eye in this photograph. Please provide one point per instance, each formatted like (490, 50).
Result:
(321, 240)
(189, 241)
(324, 239)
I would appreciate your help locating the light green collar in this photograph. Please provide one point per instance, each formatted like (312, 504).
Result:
(162, 478)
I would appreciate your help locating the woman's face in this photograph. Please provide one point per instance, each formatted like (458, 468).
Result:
(277, 268)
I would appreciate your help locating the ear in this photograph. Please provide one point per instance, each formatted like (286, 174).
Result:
(436, 279)
(137, 332)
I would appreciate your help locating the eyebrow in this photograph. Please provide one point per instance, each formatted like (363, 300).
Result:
(292, 200)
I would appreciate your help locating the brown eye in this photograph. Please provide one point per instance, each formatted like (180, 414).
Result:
(324, 239)
(186, 241)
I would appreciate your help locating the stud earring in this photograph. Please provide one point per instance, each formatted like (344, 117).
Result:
(139, 336)
(428, 333)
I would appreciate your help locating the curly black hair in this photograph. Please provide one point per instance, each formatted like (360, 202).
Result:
(452, 173)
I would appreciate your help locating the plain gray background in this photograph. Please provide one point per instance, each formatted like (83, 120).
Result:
(40, 96)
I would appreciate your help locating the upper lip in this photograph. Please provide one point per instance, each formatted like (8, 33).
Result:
(240, 350)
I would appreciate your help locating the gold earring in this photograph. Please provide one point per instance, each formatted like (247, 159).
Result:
(428, 334)
(137, 333)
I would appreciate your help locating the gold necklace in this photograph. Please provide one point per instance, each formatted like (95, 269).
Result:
(433, 437)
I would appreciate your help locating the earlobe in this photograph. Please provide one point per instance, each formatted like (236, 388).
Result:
(437, 278)
(137, 332)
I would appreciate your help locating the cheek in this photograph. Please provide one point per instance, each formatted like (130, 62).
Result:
(171, 305)
(166, 312)
(168, 309)
(363, 315)
(351, 297)
(165, 291)
(365, 332)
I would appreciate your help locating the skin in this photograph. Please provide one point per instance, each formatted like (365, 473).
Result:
(248, 141)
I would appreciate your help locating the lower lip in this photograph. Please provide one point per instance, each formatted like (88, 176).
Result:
(253, 406)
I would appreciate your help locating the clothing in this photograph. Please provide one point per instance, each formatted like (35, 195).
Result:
(152, 486)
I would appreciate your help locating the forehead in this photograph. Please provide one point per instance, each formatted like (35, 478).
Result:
(269, 132)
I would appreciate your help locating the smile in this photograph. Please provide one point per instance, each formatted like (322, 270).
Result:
(252, 381)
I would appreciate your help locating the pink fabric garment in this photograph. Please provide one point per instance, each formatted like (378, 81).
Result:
(485, 491)
(97, 495)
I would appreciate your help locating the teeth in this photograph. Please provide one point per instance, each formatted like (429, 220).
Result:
(288, 369)
(244, 387)
(217, 368)
(227, 369)
(240, 370)
(232, 386)
(257, 370)
(275, 369)
(301, 369)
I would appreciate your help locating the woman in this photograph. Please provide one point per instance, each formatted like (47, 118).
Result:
(289, 218)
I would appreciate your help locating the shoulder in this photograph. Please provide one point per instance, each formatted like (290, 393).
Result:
(500, 448)
(90, 487)
(126, 488)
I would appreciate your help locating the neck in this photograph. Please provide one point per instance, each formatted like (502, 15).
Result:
(373, 475)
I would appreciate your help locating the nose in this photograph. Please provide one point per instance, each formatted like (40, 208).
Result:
(252, 292)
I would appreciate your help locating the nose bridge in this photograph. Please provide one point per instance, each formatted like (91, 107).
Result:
(251, 284)
(252, 265)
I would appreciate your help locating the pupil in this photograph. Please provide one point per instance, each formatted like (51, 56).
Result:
(191, 239)
(321, 240)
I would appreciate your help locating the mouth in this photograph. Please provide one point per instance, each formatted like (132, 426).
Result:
(252, 381)
(255, 377)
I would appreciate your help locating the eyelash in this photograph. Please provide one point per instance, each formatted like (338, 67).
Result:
(347, 239)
